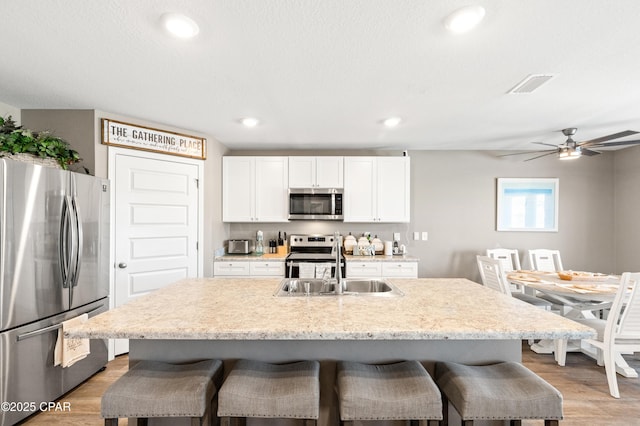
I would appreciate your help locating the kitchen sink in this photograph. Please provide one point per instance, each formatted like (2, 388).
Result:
(315, 287)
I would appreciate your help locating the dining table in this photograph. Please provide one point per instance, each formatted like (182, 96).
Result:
(577, 295)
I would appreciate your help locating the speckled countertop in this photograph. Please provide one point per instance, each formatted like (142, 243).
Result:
(382, 258)
(246, 309)
(349, 258)
(250, 257)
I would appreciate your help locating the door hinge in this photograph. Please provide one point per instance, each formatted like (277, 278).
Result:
(197, 246)
(197, 183)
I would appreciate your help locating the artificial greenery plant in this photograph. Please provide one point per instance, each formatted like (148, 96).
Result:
(15, 139)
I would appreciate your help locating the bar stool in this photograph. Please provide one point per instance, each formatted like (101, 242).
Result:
(259, 389)
(158, 389)
(504, 391)
(400, 391)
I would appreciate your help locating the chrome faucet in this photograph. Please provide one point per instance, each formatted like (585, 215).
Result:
(338, 249)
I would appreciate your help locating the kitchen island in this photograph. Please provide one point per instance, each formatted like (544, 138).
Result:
(231, 318)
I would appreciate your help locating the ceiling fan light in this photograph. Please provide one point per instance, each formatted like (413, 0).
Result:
(569, 153)
(464, 19)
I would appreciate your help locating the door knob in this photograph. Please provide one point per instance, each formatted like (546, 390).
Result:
(122, 265)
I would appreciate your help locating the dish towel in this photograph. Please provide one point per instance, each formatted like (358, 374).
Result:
(307, 270)
(323, 270)
(69, 351)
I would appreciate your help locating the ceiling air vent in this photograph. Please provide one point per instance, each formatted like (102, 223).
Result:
(531, 83)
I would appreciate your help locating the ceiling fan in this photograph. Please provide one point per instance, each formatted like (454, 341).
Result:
(571, 149)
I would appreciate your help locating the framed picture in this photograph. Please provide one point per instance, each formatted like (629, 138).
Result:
(527, 204)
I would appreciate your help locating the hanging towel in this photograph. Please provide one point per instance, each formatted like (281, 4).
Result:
(69, 351)
(307, 270)
(323, 270)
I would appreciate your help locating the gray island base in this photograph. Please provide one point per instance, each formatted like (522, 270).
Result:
(229, 319)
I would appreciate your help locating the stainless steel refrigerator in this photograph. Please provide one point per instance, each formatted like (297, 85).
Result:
(54, 253)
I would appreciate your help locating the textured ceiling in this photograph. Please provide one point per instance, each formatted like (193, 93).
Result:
(324, 73)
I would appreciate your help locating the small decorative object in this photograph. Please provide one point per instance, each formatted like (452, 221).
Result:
(34, 147)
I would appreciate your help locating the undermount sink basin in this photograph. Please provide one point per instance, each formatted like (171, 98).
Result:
(316, 287)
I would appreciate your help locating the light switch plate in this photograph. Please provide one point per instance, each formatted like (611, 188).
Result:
(425, 236)
(416, 235)
(396, 236)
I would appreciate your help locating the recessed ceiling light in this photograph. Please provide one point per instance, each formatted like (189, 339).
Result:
(464, 19)
(179, 25)
(250, 122)
(392, 121)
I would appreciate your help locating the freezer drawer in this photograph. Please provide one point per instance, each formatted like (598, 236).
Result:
(27, 374)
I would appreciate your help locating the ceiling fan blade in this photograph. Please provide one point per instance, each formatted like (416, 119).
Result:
(543, 155)
(547, 144)
(608, 138)
(621, 143)
(518, 153)
(589, 152)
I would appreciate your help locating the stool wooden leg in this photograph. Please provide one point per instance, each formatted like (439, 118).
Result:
(142, 421)
(467, 422)
(551, 422)
(516, 422)
(445, 410)
(110, 422)
(310, 422)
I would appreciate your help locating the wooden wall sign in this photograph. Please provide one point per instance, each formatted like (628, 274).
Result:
(126, 135)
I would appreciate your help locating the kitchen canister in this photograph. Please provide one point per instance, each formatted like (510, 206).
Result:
(388, 248)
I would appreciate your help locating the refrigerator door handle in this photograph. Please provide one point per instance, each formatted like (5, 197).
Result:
(65, 257)
(54, 326)
(78, 242)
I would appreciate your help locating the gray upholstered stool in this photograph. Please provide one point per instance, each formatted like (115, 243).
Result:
(282, 391)
(400, 391)
(504, 391)
(158, 389)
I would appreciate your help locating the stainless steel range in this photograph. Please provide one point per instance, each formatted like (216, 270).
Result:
(312, 256)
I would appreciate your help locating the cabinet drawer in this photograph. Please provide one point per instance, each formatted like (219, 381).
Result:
(275, 269)
(363, 269)
(233, 269)
(400, 269)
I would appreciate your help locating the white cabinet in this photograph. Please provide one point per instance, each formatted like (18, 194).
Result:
(254, 189)
(357, 269)
(230, 269)
(400, 269)
(266, 269)
(316, 172)
(376, 189)
(373, 269)
(259, 268)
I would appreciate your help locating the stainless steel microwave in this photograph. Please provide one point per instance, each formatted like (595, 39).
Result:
(315, 204)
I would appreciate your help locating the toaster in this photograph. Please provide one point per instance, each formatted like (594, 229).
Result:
(238, 247)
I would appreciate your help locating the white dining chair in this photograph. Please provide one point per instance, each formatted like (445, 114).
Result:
(545, 260)
(509, 258)
(493, 276)
(620, 332)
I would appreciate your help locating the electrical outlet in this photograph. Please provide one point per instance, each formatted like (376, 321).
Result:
(396, 236)
(425, 235)
(416, 235)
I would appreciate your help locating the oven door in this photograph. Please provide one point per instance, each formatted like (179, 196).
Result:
(308, 265)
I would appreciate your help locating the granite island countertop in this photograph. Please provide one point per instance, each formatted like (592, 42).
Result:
(246, 309)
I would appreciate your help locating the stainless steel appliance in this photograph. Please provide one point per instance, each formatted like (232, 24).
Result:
(312, 254)
(315, 204)
(54, 254)
(239, 247)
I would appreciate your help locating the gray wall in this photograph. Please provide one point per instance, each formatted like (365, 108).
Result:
(453, 198)
(6, 110)
(627, 209)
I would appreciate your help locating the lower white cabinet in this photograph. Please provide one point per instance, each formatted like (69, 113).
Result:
(263, 268)
(370, 269)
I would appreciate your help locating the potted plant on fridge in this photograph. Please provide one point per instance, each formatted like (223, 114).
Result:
(39, 147)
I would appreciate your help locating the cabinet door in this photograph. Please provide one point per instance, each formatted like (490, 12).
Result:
(400, 269)
(238, 189)
(359, 189)
(393, 189)
(302, 172)
(267, 269)
(231, 269)
(329, 172)
(357, 269)
(271, 189)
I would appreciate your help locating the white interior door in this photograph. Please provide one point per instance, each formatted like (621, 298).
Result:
(156, 225)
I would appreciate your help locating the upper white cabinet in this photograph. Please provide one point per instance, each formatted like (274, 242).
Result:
(254, 189)
(316, 172)
(376, 189)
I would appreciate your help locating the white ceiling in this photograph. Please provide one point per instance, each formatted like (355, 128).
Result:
(324, 73)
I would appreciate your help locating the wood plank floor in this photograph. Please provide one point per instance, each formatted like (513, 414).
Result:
(582, 383)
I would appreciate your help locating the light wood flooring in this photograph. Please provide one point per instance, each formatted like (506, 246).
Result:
(582, 383)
